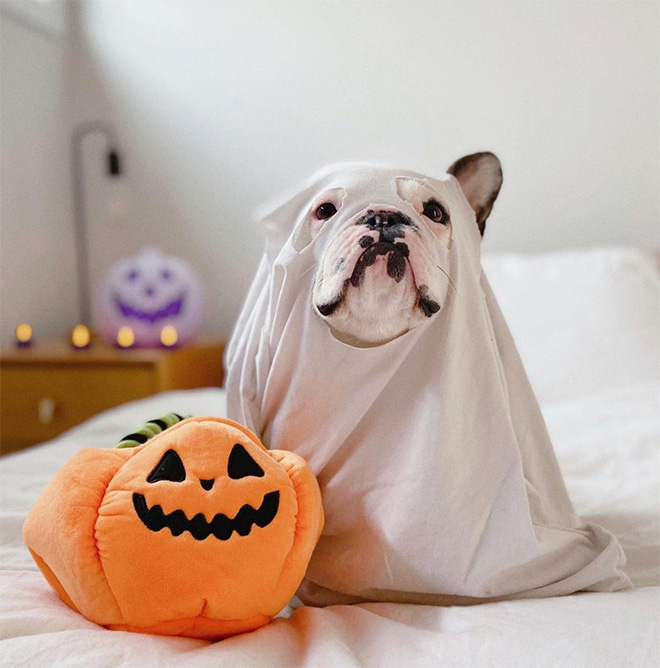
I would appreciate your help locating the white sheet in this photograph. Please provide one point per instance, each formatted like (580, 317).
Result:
(607, 448)
(606, 439)
(439, 481)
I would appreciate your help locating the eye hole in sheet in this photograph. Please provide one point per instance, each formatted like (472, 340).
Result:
(419, 192)
(311, 225)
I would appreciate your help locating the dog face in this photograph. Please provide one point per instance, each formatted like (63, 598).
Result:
(382, 274)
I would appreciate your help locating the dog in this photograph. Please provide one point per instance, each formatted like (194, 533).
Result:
(371, 344)
(381, 275)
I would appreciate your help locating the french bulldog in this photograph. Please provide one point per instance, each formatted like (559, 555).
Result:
(372, 345)
(381, 276)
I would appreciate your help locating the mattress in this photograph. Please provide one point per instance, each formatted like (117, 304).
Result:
(586, 323)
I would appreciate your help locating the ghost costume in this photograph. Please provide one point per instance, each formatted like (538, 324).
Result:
(439, 481)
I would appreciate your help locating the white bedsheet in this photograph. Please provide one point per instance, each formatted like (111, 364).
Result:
(586, 323)
(607, 448)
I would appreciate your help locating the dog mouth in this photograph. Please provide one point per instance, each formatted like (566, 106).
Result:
(397, 253)
(220, 526)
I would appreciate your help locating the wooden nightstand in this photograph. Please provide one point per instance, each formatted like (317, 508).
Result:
(50, 387)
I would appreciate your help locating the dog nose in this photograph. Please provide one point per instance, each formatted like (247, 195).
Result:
(207, 484)
(382, 220)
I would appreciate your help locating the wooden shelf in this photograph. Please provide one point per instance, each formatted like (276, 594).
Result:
(50, 387)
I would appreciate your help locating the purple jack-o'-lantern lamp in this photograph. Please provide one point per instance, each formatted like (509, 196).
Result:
(159, 297)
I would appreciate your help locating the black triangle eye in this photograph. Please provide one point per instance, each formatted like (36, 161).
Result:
(170, 467)
(241, 464)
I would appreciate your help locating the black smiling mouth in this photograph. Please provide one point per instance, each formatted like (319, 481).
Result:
(168, 311)
(220, 526)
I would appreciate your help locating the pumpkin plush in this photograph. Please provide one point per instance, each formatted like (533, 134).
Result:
(198, 530)
(148, 292)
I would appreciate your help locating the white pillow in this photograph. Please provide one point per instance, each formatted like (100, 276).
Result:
(585, 321)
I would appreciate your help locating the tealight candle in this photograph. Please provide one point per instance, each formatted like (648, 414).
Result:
(81, 337)
(169, 337)
(23, 334)
(125, 337)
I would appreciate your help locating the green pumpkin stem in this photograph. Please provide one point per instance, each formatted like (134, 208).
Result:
(149, 430)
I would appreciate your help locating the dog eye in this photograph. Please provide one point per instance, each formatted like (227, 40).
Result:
(436, 212)
(325, 211)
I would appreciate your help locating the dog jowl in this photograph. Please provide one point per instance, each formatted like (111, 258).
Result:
(382, 272)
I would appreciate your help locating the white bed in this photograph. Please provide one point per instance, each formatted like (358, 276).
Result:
(587, 326)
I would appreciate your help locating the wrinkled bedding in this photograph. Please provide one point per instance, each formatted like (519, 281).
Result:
(605, 433)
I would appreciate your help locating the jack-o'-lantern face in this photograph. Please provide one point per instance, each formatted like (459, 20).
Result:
(202, 522)
(240, 465)
(148, 292)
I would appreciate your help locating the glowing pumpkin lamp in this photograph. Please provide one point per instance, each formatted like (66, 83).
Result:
(160, 297)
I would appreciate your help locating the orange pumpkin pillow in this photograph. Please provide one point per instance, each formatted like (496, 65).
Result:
(197, 531)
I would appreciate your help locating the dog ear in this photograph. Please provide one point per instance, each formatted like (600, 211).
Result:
(480, 176)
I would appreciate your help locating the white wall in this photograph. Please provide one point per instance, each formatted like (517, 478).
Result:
(221, 105)
(37, 283)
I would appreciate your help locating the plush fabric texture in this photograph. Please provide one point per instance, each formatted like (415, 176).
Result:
(439, 481)
(200, 531)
